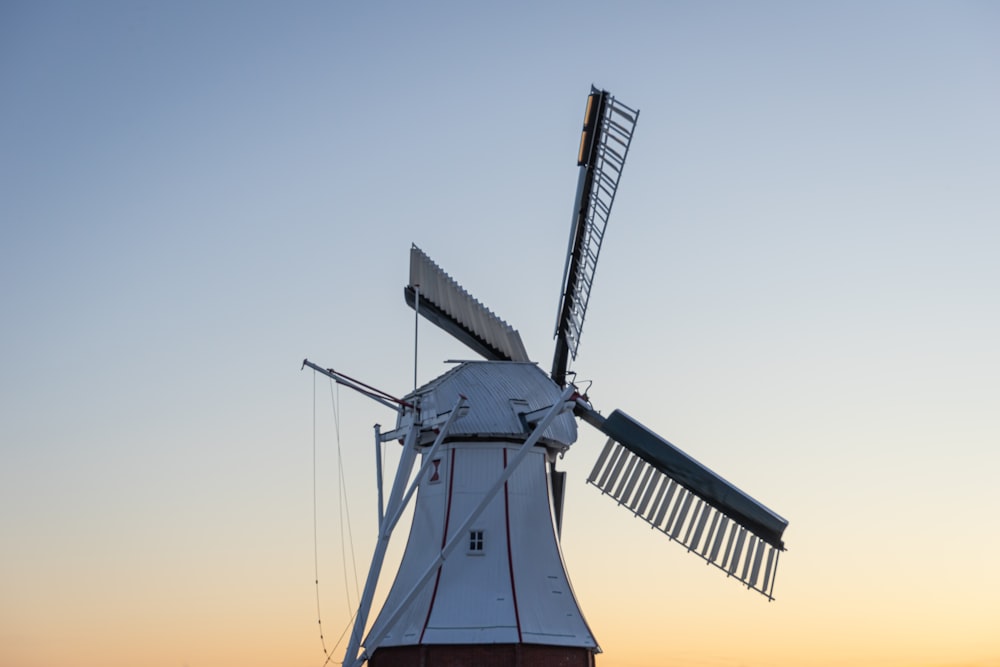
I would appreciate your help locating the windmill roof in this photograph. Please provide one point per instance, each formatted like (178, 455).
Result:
(497, 393)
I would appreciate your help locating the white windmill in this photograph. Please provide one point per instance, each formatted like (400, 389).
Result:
(482, 579)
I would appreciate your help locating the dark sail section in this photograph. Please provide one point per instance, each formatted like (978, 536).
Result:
(446, 304)
(687, 501)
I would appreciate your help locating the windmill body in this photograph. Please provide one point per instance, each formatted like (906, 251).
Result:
(504, 590)
(482, 579)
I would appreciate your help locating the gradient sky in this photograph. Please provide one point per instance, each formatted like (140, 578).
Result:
(799, 287)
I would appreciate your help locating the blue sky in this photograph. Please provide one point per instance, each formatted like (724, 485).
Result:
(799, 287)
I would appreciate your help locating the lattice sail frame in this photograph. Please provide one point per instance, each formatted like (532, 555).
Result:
(605, 141)
(683, 516)
(608, 162)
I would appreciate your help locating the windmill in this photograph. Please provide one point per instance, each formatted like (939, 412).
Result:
(481, 580)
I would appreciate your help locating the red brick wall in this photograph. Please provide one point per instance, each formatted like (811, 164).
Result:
(482, 655)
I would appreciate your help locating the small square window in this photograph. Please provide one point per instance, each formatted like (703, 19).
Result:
(477, 542)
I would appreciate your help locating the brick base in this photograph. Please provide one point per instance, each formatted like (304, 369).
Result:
(482, 655)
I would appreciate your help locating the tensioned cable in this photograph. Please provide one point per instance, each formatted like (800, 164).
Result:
(319, 614)
(329, 653)
(329, 657)
(344, 509)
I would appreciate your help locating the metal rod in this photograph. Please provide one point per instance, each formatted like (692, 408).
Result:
(375, 394)
(378, 473)
(364, 607)
(416, 331)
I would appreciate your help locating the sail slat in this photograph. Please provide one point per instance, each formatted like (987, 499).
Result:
(686, 517)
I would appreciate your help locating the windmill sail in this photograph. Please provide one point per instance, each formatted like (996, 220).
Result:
(446, 304)
(687, 501)
(482, 577)
(604, 143)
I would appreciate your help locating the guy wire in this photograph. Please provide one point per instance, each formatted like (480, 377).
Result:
(343, 507)
(319, 615)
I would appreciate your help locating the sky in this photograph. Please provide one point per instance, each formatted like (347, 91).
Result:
(798, 287)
